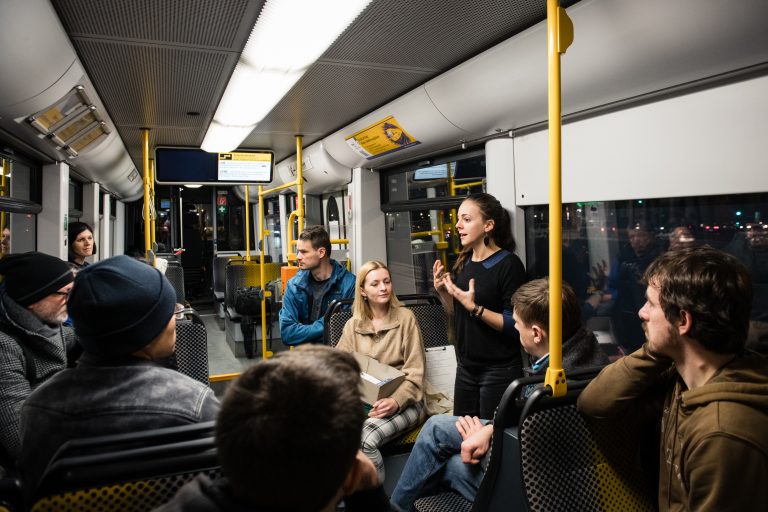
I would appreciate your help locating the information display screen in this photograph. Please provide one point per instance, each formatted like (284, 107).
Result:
(432, 173)
(182, 166)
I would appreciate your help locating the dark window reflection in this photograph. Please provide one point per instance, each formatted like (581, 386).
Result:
(608, 245)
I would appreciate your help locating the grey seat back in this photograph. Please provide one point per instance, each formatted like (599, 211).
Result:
(134, 471)
(433, 322)
(219, 273)
(429, 313)
(192, 349)
(571, 464)
(175, 275)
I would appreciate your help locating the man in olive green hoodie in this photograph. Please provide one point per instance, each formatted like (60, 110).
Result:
(694, 374)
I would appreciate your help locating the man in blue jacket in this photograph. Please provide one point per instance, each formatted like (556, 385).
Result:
(319, 281)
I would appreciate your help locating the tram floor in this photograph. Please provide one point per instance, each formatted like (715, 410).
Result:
(221, 360)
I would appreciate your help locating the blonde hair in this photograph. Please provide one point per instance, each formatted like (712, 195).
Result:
(361, 309)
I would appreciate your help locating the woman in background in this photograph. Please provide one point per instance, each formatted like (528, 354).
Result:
(81, 244)
(486, 275)
(384, 330)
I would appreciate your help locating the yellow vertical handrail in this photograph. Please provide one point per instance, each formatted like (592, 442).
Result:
(559, 37)
(153, 210)
(266, 294)
(299, 183)
(247, 226)
(290, 241)
(298, 213)
(452, 214)
(145, 170)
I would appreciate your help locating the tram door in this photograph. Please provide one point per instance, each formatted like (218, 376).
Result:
(196, 228)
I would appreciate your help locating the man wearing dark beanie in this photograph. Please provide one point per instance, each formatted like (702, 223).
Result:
(33, 344)
(123, 313)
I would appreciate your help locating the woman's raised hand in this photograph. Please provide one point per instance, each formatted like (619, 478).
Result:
(465, 298)
(439, 275)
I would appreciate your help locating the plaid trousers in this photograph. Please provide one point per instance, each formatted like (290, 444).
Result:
(379, 431)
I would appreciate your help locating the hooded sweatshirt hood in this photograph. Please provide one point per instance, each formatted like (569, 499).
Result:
(742, 381)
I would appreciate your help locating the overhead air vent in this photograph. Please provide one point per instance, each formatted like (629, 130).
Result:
(72, 123)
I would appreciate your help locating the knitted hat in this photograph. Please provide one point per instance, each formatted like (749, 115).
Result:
(32, 276)
(120, 305)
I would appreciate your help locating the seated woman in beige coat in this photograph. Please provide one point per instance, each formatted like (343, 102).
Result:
(384, 330)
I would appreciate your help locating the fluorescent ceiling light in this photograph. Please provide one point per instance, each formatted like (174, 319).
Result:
(252, 94)
(223, 139)
(288, 38)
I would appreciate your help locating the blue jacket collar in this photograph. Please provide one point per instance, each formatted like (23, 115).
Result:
(304, 275)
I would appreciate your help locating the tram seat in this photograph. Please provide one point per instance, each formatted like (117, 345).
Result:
(429, 313)
(136, 471)
(239, 274)
(433, 323)
(219, 280)
(191, 356)
(546, 456)
(175, 275)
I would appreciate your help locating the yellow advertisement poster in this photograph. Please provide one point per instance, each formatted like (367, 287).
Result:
(381, 138)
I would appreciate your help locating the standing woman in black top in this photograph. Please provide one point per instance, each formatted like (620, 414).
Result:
(486, 274)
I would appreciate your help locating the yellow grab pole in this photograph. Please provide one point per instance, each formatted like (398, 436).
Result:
(290, 241)
(559, 37)
(145, 167)
(452, 192)
(262, 236)
(299, 184)
(153, 212)
(468, 185)
(247, 227)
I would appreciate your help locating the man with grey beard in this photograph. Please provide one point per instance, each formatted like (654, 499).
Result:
(33, 343)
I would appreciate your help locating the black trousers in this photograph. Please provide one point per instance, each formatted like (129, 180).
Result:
(478, 390)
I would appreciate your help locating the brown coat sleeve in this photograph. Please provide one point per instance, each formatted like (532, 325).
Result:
(414, 362)
(616, 390)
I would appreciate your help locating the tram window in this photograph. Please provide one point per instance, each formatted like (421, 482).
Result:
(164, 226)
(75, 195)
(333, 210)
(601, 240)
(230, 225)
(456, 175)
(272, 221)
(21, 180)
(421, 202)
(415, 240)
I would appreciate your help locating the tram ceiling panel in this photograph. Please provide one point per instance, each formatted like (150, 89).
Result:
(153, 62)
(159, 65)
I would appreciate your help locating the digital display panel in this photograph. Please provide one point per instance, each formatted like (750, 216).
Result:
(434, 172)
(182, 166)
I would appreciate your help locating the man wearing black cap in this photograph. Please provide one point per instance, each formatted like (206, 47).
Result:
(33, 345)
(123, 313)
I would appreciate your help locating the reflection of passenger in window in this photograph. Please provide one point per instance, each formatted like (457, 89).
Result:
(624, 286)
(681, 238)
(5, 242)
(751, 248)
